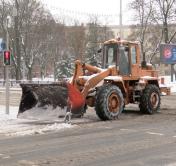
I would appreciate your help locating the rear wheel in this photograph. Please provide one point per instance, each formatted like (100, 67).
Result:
(150, 99)
(109, 102)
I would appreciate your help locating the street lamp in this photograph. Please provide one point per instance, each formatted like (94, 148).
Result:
(120, 21)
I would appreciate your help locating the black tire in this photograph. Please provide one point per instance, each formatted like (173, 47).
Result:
(150, 99)
(109, 102)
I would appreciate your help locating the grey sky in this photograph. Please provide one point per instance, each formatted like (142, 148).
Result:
(109, 8)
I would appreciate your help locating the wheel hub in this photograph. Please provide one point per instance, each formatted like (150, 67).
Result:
(114, 103)
(154, 99)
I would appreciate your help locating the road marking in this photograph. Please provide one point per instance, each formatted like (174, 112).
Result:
(127, 130)
(152, 133)
(174, 136)
(6, 157)
(26, 162)
(108, 127)
(171, 164)
(3, 156)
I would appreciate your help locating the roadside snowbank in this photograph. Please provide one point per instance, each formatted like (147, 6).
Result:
(168, 83)
(10, 125)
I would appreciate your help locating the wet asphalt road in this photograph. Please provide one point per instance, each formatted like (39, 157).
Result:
(133, 140)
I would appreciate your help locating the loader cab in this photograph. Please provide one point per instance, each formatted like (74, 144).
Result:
(117, 55)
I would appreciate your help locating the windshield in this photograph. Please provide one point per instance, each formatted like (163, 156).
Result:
(117, 55)
(110, 52)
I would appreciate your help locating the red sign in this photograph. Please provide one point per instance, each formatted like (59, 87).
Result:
(168, 53)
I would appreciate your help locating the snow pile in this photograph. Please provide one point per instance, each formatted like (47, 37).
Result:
(32, 130)
(47, 113)
(10, 125)
(168, 83)
(49, 79)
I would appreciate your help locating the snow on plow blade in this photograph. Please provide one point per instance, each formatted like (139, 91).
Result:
(56, 95)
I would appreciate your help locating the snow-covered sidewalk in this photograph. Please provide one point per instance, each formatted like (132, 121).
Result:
(168, 83)
(10, 125)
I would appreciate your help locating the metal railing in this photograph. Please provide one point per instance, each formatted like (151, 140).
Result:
(16, 83)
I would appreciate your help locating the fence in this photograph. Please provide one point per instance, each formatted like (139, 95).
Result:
(16, 83)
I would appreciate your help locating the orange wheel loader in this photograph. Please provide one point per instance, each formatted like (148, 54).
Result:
(123, 79)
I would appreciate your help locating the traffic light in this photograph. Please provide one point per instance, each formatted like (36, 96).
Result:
(7, 57)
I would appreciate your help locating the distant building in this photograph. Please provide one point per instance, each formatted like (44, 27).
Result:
(127, 30)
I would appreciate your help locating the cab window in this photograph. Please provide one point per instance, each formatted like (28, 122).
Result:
(110, 59)
(124, 65)
(133, 55)
(111, 54)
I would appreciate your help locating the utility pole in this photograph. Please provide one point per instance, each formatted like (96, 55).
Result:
(17, 40)
(120, 20)
(7, 69)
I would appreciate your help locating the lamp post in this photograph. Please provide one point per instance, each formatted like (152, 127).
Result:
(120, 20)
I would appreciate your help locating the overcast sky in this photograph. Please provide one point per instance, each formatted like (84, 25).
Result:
(99, 7)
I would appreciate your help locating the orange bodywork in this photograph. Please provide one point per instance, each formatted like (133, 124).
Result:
(83, 83)
(87, 78)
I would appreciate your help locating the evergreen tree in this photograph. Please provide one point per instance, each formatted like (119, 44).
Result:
(65, 67)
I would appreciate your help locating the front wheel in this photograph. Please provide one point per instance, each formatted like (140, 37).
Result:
(109, 102)
(150, 99)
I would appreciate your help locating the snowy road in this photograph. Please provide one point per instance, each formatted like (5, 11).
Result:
(133, 140)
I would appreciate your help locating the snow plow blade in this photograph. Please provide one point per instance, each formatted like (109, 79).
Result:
(56, 95)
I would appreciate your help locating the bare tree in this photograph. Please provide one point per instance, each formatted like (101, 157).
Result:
(30, 15)
(92, 37)
(5, 7)
(150, 30)
(164, 18)
(96, 35)
(166, 14)
(76, 36)
(45, 39)
(58, 47)
(143, 10)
